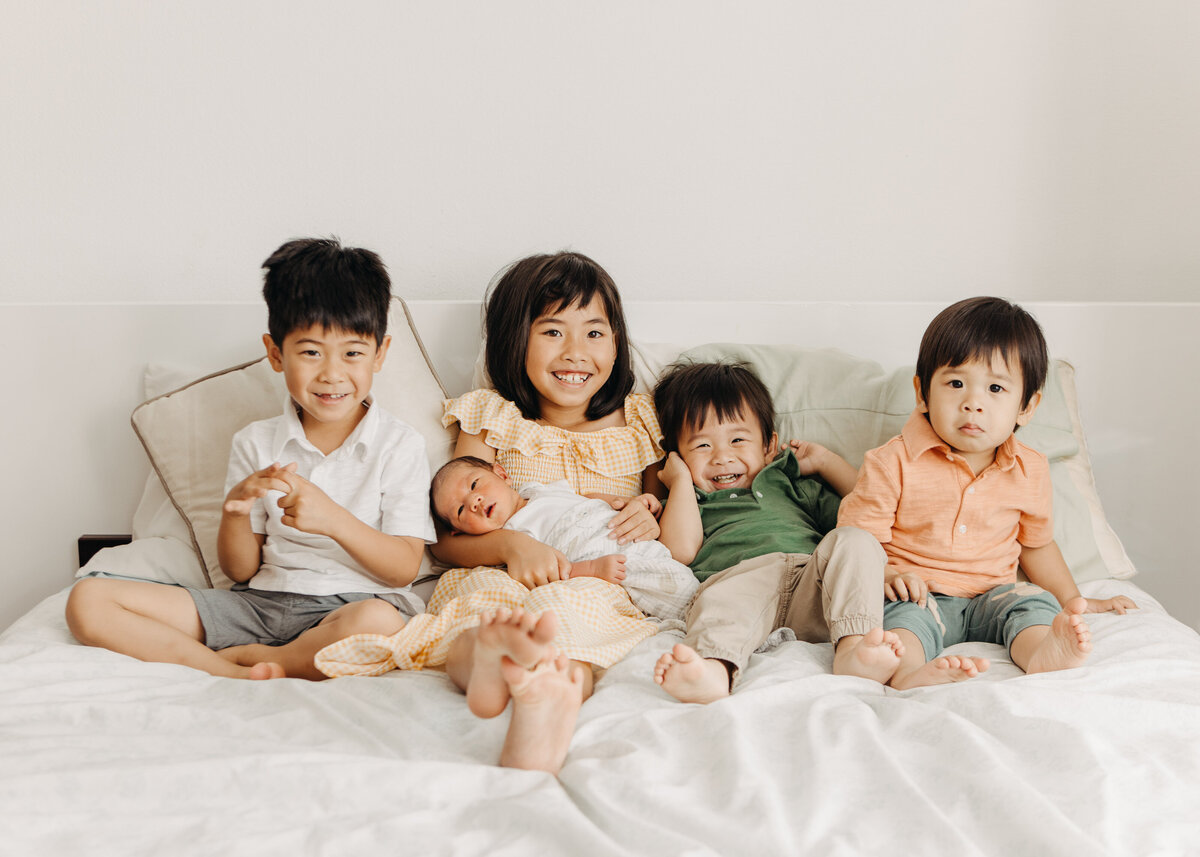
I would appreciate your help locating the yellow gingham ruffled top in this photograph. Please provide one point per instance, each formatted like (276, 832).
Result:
(608, 461)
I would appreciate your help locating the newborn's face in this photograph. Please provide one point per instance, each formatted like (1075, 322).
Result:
(476, 501)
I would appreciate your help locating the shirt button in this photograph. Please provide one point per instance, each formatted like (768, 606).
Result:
(971, 490)
(733, 496)
(758, 494)
(962, 528)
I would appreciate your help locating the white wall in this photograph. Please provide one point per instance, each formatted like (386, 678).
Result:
(865, 151)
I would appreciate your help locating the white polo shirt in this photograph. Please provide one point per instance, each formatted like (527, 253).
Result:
(379, 474)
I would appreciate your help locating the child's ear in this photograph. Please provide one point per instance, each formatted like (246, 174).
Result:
(773, 446)
(381, 351)
(273, 353)
(1027, 412)
(924, 408)
(499, 471)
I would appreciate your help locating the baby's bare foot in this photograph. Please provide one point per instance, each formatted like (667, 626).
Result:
(1066, 645)
(690, 678)
(515, 634)
(546, 703)
(874, 655)
(943, 670)
(610, 568)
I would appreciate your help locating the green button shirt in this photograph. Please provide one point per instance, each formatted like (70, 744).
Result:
(783, 511)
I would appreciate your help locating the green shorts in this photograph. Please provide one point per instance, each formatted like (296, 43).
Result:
(996, 616)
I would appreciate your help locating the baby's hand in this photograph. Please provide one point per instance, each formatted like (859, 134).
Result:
(906, 587)
(610, 568)
(307, 508)
(674, 471)
(808, 455)
(241, 497)
(1118, 604)
(635, 519)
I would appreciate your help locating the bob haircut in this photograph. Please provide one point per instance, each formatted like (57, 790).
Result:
(317, 281)
(975, 329)
(687, 392)
(531, 288)
(443, 473)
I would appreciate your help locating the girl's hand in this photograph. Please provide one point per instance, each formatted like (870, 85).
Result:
(1119, 604)
(906, 587)
(533, 564)
(635, 520)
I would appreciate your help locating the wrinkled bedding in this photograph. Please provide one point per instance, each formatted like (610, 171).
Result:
(103, 754)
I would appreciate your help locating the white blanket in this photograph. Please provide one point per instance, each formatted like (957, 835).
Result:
(102, 754)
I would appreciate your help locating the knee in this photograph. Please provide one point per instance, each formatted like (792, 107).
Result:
(372, 616)
(84, 606)
(860, 541)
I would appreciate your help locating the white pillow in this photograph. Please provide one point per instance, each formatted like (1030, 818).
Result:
(852, 405)
(187, 435)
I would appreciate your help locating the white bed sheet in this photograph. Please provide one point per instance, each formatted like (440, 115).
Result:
(102, 754)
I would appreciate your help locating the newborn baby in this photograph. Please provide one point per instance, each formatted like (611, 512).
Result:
(472, 497)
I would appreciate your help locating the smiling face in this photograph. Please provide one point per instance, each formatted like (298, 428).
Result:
(328, 373)
(726, 454)
(570, 356)
(975, 407)
(474, 500)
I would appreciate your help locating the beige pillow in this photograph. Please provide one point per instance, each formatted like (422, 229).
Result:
(187, 433)
(852, 405)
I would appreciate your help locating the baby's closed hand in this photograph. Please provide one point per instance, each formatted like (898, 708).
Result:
(610, 568)
(241, 497)
(1118, 604)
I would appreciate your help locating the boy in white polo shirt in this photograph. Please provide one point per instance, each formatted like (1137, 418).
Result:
(326, 512)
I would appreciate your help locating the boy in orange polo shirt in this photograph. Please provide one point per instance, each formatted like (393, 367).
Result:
(958, 503)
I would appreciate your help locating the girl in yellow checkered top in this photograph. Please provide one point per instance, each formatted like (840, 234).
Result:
(562, 409)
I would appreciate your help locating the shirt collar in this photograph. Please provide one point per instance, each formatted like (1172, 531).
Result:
(289, 429)
(919, 438)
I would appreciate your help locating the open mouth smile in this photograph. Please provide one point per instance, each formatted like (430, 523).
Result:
(574, 378)
(726, 478)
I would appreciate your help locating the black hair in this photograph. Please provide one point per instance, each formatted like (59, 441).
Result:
(442, 474)
(975, 329)
(317, 281)
(528, 289)
(686, 393)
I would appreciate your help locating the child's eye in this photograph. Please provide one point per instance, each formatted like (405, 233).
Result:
(595, 334)
(473, 484)
(551, 332)
(956, 384)
(996, 388)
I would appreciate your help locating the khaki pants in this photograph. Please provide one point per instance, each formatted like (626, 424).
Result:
(824, 596)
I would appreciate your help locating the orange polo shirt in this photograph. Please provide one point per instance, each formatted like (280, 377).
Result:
(960, 532)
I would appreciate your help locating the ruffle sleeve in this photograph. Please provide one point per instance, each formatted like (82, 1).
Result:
(506, 428)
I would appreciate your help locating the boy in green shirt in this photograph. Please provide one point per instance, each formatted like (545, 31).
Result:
(761, 534)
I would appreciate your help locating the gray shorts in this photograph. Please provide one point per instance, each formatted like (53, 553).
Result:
(237, 616)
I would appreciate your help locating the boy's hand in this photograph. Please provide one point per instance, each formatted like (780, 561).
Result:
(674, 471)
(307, 508)
(810, 456)
(533, 563)
(241, 497)
(906, 587)
(635, 520)
(1118, 604)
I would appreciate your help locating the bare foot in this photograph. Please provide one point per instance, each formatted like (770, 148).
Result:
(546, 703)
(610, 568)
(874, 655)
(266, 670)
(690, 678)
(521, 637)
(1067, 644)
(943, 670)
